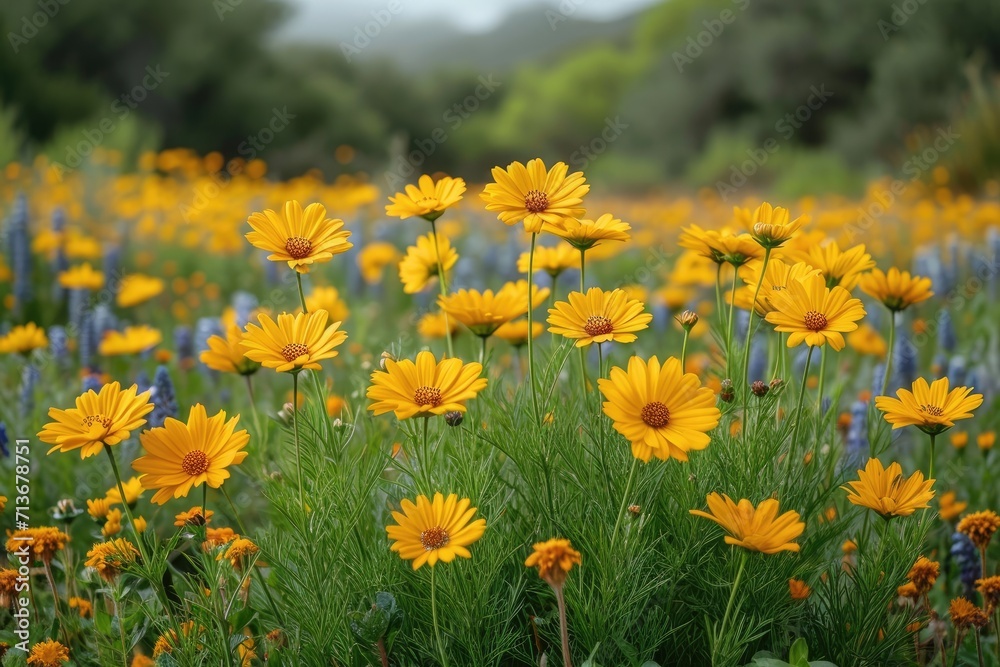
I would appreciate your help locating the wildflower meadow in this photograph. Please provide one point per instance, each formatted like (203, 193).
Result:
(506, 423)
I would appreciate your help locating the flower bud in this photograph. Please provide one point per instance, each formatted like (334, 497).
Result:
(688, 319)
(454, 418)
(759, 388)
(727, 393)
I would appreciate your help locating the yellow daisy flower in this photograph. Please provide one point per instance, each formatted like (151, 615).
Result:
(586, 234)
(661, 410)
(298, 237)
(110, 558)
(82, 276)
(776, 278)
(225, 354)
(137, 288)
(839, 267)
(105, 418)
(754, 528)
(182, 456)
(426, 387)
(931, 408)
(598, 317)
(434, 530)
(815, 314)
(420, 265)
(428, 199)
(328, 299)
(373, 259)
(293, 343)
(770, 226)
(898, 290)
(484, 312)
(48, 653)
(516, 332)
(553, 260)
(886, 491)
(554, 559)
(23, 339)
(133, 491)
(134, 340)
(536, 195)
(436, 325)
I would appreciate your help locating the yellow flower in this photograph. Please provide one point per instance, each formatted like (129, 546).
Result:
(867, 340)
(586, 234)
(985, 441)
(436, 325)
(98, 509)
(798, 589)
(196, 516)
(427, 387)
(948, 507)
(217, 537)
(815, 314)
(662, 411)
(923, 574)
(554, 559)
(82, 606)
(989, 588)
(516, 332)
(134, 340)
(886, 491)
(133, 491)
(541, 198)
(965, 615)
(769, 226)
(551, 259)
(979, 526)
(137, 288)
(755, 529)
(720, 246)
(99, 419)
(226, 354)
(959, 439)
(168, 641)
(420, 265)
(373, 259)
(328, 299)
(933, 409)
(598, 317)
(3, 503)
(110, 558)
(182, 456)
(23, 339)
(896, 289)
(113, 524)
(239, 552)
(843, 268)
(777, 276)
(484, 312)
(298, 237)
(82, 276)
(293, 343)
(42, 542)
(433, 530)
(48, 653)
(428, 199)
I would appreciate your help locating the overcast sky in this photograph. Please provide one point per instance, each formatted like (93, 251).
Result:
(339, 17)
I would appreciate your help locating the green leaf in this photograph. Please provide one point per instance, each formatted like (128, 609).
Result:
(798, 654)
(590, 659)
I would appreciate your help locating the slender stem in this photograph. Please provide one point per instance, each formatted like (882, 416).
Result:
(684, 347)
(718, 296)
(563, 628)
(958, 642)
(434, 618)
(253, 405)
(531, 345)
(930, 465)
(798, 412)
(302, 296)
(583, 269)
(889, 352)
(424, 461)
(204, 500)
(295, 433)
(55, 599)
(729, 605)
(383, 656)
(621, 509)
(819, 397)
(979, 648)
(260, 577)
(482, 351)
(121, 626)
(443, 285)
(729, 328)
(583, 378)
(753, 307)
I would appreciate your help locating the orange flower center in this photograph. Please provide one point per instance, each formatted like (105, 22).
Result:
(195, 463)
(932, 410)
(536, 201)
(427, 396)
(434, 538)
(598, 325)
(90, 420)
(815, 321)
(298, 247)
(655, 414)
(293, 351)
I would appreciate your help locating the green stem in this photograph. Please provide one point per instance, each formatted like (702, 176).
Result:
(621, 509)
(744, 380)
(718, 296)
(302, 296)
(295, 433)
(930, 466)
(563, 626)
(482, 352)
(888, 354)
(798, 414)
(424, 461)
(531, 345)
(443, 285)
(434, 619)
(260, 577)
(729, 605)
(729, 328)
(253, 406)
(684, 347)
(583, 268)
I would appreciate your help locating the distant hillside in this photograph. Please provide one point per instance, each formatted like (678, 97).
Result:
(535, 35)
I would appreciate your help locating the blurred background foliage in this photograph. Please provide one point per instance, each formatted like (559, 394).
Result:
(691, 104)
